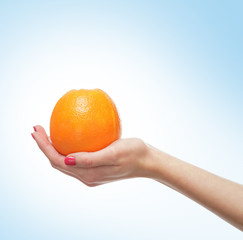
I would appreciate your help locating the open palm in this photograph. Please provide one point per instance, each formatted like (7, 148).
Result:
(124, 158)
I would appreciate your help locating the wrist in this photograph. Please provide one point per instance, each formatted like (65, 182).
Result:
(150, 162)
(158, 165)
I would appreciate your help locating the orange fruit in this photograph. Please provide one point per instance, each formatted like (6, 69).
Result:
(84, 121)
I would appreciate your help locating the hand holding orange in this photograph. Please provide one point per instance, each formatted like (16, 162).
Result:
(84, 121)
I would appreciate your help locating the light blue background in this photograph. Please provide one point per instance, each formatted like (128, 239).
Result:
(174, 70)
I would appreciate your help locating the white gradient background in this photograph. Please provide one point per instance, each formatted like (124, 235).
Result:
(174, 70)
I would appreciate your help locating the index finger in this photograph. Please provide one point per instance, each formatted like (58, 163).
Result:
(55, 158)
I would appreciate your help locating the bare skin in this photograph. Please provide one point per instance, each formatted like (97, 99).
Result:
(130, 158)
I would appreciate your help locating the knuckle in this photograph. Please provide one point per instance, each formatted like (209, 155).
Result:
(114, 153)
(46, 145)
(139, 144)
(87, 162)
(138, 141)
(53, 165)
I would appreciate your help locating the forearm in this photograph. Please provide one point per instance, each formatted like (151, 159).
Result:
(219, 195)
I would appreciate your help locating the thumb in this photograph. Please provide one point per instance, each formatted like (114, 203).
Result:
(104, 157)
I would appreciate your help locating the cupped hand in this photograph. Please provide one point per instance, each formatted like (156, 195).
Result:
(124, 158)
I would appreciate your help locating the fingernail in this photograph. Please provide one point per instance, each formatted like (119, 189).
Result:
(32, 135)
(35, 128)
(70, 161)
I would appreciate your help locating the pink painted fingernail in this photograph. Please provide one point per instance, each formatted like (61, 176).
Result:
(70, 161)
(35, 128)
(32, 135)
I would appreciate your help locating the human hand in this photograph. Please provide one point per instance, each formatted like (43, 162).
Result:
(124, 158)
